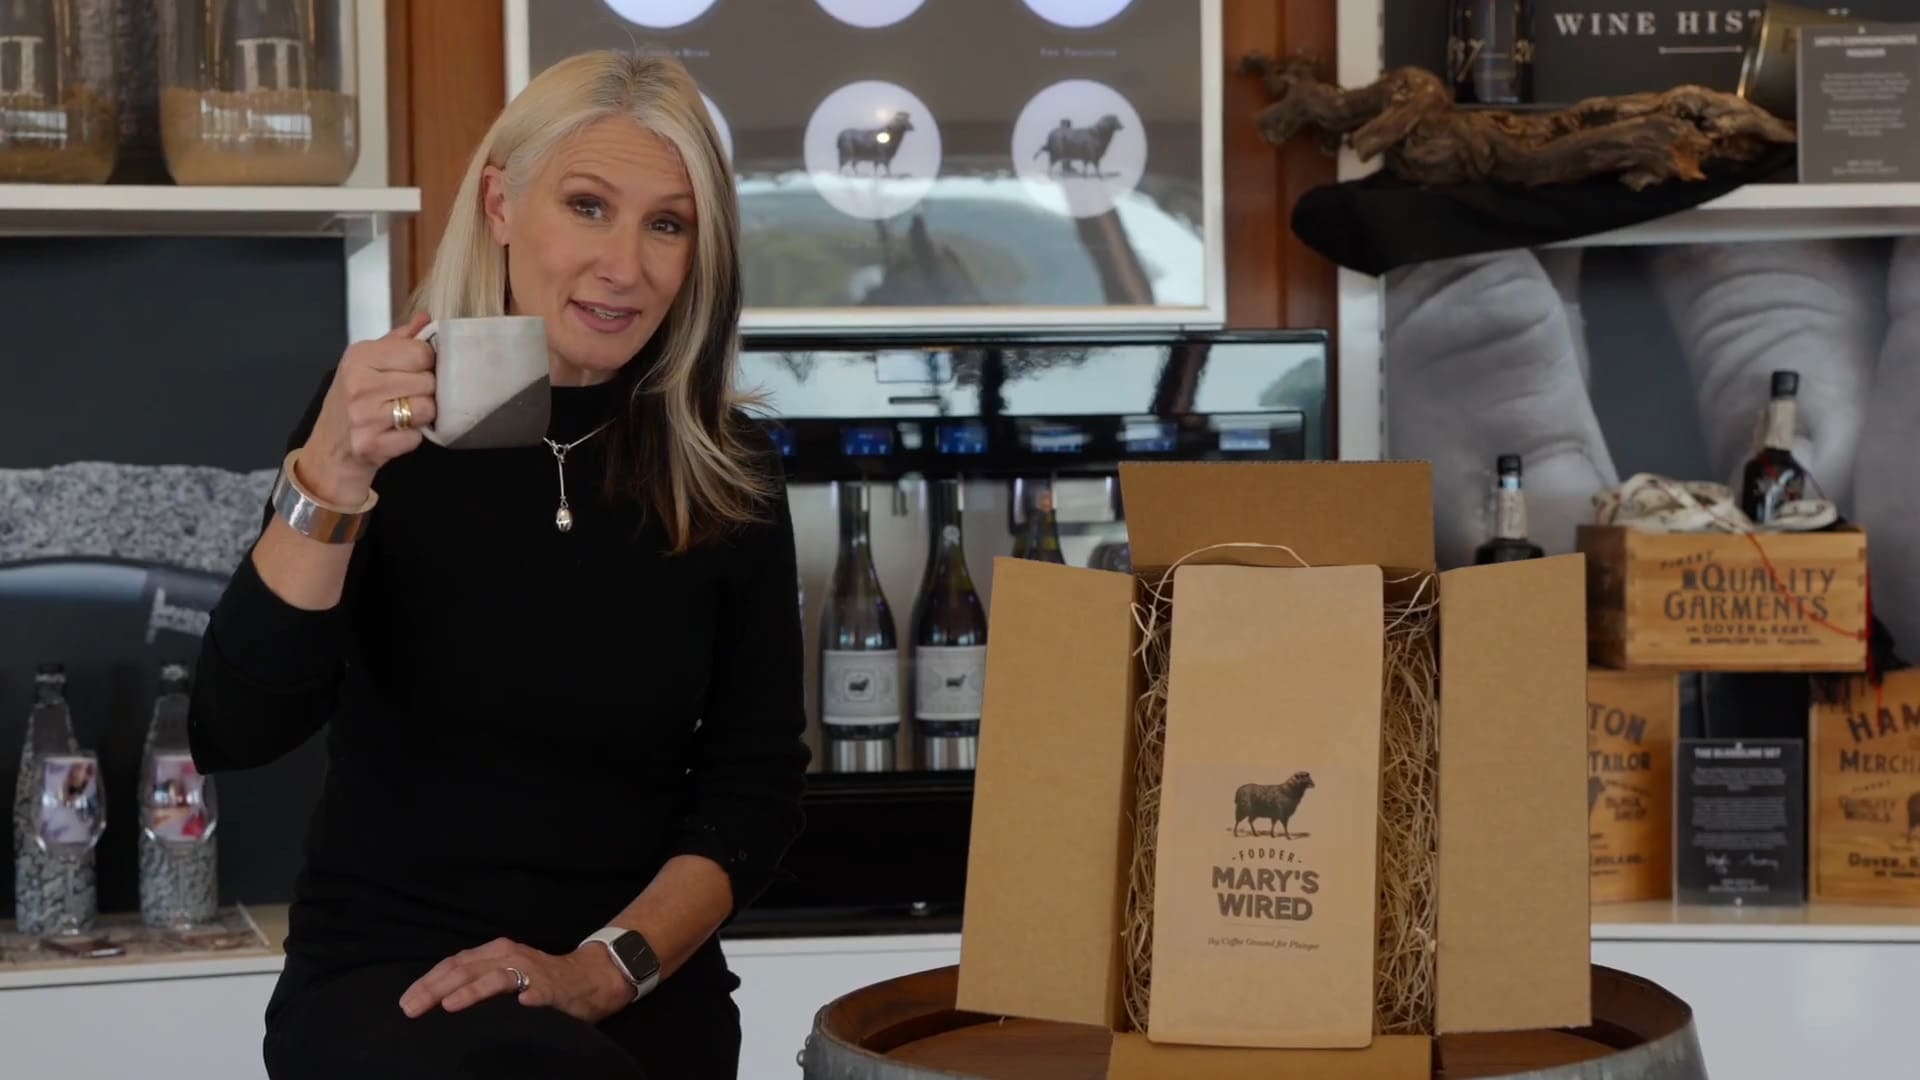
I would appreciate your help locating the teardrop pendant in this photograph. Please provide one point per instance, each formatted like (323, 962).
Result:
(563, 519)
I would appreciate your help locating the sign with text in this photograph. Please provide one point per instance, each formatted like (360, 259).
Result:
(1740, 831)
(1856, 103)
(1584, 48)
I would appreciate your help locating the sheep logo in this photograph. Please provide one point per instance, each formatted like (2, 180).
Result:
(1275, 802)
(957, 682)
(859, 684)
(875, 146)
(1068, 146)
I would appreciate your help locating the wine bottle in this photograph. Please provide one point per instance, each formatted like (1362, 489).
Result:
(1490, 52)
(179, 863)
(1039, 535)
(40, 890)
(1509, 542)
(1773, 476)
(949, 642)
(859, 650)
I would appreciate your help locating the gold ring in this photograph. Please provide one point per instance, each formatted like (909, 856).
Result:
(402, 414)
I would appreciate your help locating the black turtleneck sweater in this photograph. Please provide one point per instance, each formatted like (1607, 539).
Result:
(522, 725)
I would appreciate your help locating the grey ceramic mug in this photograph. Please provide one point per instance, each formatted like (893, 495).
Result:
(490, 381)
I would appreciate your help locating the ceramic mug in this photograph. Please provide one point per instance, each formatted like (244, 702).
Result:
(490, 381)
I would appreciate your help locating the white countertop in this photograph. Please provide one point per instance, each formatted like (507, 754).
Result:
(1663, 921)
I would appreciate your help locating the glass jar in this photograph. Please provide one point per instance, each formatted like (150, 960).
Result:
(58, 122)
(258, 91)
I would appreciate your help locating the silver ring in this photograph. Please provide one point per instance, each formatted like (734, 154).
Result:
(520, 980)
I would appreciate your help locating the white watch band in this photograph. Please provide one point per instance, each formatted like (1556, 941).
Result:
(606, 937)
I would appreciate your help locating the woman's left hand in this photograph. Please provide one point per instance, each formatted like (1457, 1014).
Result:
(585, 983)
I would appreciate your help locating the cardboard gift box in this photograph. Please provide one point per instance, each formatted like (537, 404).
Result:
(1298, 687)
(1726, 601)
(1866, 791)
(1633, 718)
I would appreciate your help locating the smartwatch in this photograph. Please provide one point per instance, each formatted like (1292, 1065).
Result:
(633, 955)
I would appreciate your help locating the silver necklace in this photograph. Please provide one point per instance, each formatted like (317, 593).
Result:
(563, 517)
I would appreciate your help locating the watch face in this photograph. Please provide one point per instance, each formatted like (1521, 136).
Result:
(637, 955)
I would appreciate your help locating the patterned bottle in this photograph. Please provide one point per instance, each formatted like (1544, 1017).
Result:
(39, 886)
(179, 863)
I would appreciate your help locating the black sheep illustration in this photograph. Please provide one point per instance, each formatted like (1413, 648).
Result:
(1067, 145)
(956, 682)
(1595, 786)
(1275, 802)
(876, 146)
(858, 685)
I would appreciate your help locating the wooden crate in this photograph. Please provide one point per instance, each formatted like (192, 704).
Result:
(1633, 718)
(1726, 602)
(1865, 791)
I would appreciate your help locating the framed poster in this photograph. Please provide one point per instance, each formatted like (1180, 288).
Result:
(1002, 164)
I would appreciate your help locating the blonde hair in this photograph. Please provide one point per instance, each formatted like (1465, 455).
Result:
(680, 446)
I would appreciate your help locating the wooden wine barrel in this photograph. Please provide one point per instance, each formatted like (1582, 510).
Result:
(908, 1029)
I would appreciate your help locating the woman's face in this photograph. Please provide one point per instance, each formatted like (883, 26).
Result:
(598, 244)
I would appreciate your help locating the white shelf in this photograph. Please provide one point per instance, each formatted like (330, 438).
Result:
(115, 209)
(1778, 212)
(1663, 921)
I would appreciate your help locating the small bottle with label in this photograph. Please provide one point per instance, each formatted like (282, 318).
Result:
(949, 642)
(1509, 542)
(859, 651)
(1773, 476)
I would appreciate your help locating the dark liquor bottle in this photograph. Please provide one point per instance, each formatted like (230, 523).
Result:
(1038, 538)
(949, 642)
(859, 651)
(1490, 52)
(1773, 476)
(1509, 543)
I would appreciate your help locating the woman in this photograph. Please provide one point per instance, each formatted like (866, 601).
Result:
(557, 758)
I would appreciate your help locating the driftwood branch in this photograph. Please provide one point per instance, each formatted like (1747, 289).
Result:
(1408, 118)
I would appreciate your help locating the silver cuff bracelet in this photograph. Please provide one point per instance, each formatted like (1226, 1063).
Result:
(312, 518)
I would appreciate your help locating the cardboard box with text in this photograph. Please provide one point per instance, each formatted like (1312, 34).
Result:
(1052, 836)
(1633, 718)
(1866, 791)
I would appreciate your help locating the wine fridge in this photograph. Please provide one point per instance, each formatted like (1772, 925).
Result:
(913, 463)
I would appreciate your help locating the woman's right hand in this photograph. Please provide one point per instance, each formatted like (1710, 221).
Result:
(354, 434)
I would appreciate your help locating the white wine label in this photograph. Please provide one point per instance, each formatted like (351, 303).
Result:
(948, 682)
(859, 688)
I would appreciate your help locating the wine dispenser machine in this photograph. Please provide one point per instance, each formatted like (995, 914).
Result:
(947, 453)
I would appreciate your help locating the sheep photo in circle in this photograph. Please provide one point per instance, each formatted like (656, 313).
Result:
(659, 14)
(870, 14)
(1079, 147)
(872, 149)
(1077, 14)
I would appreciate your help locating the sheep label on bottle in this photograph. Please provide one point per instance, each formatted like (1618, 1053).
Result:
(872, 149)
(1264, 879)
(1080, 148)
